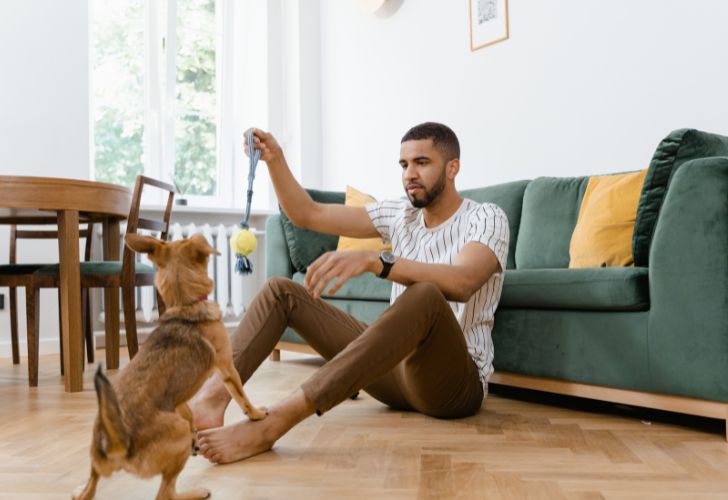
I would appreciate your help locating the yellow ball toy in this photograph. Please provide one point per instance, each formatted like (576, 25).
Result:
(243, 242)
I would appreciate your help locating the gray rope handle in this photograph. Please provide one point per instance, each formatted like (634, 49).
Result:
(254, 157)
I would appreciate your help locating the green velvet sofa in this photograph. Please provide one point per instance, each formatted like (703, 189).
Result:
(653, 335)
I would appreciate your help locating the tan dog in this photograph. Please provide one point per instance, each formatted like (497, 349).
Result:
(144, 425)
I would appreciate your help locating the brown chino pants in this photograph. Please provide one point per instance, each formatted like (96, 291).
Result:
(413, 357)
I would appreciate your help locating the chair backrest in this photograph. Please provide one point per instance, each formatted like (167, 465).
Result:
(135, 223)
(22, 234)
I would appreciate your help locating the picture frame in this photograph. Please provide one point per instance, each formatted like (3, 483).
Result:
(488, 22)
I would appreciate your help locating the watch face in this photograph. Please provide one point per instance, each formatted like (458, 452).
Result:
(387, 257)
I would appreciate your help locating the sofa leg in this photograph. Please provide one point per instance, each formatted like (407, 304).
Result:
(275, 355)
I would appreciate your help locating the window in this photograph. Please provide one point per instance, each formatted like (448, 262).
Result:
(172, 94)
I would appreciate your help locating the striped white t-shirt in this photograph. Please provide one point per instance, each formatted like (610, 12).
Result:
(402, 225)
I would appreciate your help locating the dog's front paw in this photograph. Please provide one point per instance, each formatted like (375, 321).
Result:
(258, 413)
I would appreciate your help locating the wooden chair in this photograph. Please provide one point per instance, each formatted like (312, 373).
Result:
(14, 275)
(111, 275)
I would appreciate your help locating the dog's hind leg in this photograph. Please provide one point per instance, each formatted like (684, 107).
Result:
(168, 489)
(184, 411)
(173, 450)
(87, 491)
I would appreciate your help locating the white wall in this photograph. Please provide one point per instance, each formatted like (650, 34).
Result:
(581, 87)
(44, 88)
(44, 117)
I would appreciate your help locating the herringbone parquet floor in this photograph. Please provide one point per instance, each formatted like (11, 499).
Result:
(521, 445)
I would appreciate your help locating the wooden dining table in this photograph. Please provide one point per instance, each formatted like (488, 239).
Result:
(67, 203)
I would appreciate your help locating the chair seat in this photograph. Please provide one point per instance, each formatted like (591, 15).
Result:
(8, 269)
(98, 268)
(594, 289)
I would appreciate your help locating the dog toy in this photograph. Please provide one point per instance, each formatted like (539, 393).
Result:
(243, 241)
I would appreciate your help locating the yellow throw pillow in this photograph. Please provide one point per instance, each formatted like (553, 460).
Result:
(355, 198)
(603, 233)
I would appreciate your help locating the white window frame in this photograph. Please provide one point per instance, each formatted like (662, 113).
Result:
(241, 98)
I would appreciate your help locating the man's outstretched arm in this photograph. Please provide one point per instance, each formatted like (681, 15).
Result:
(303, 211)
(473, 266)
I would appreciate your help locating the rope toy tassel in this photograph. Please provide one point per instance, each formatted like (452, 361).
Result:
(243, 265)
(243, 241)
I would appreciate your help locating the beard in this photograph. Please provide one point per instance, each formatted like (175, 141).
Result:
(429, 195)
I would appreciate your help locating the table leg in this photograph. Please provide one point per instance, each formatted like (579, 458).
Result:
(70, 294)
(111, 295)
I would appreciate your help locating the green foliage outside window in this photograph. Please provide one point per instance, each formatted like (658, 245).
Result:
(195, 123)
(118, 35)
(119, 58)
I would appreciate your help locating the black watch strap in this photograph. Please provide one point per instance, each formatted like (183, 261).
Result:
(387, 260)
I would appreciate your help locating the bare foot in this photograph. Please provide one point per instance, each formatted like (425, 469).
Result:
(237, 441)
(251, 437)
(209, 404)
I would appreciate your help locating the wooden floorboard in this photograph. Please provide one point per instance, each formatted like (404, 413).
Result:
(521, 445)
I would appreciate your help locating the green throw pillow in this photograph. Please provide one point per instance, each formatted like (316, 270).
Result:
(305, 246)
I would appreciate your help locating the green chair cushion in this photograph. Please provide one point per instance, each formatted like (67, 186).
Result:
(509, 197)
(364, 287)
(305, 246)
(10, 269)
(674, 150)
(550, 209)
(592, 289)
(100, 267)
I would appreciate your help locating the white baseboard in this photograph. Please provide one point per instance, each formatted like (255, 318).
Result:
(51, 346)
(46, 346)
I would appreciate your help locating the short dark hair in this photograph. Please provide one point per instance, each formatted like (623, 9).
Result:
(443, 138)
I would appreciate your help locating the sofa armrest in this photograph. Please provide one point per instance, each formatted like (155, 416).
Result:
(688, 275)
(277, 259)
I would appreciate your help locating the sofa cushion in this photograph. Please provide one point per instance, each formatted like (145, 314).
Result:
(305, 246)
(509, 197)
(550, 209)
(355, 198)
(364, 287)
(674, 150)
(605, 226)
(593, 289)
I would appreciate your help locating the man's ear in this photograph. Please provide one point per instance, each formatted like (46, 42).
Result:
(202, 247)
(452, 168)
(146, 244)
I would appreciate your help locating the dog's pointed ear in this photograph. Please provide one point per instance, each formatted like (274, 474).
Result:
(146, 244)
(202, 247)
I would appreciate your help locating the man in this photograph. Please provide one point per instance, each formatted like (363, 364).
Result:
(430, 351)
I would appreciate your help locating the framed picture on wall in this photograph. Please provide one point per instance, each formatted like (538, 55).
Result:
(488, 22)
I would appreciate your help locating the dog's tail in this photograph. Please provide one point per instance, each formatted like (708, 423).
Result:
(114, 435)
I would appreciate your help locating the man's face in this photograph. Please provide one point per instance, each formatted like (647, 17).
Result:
(423, 171)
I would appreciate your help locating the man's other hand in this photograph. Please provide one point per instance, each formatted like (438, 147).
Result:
(340, 266)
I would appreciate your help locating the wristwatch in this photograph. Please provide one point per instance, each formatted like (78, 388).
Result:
(387, 260)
